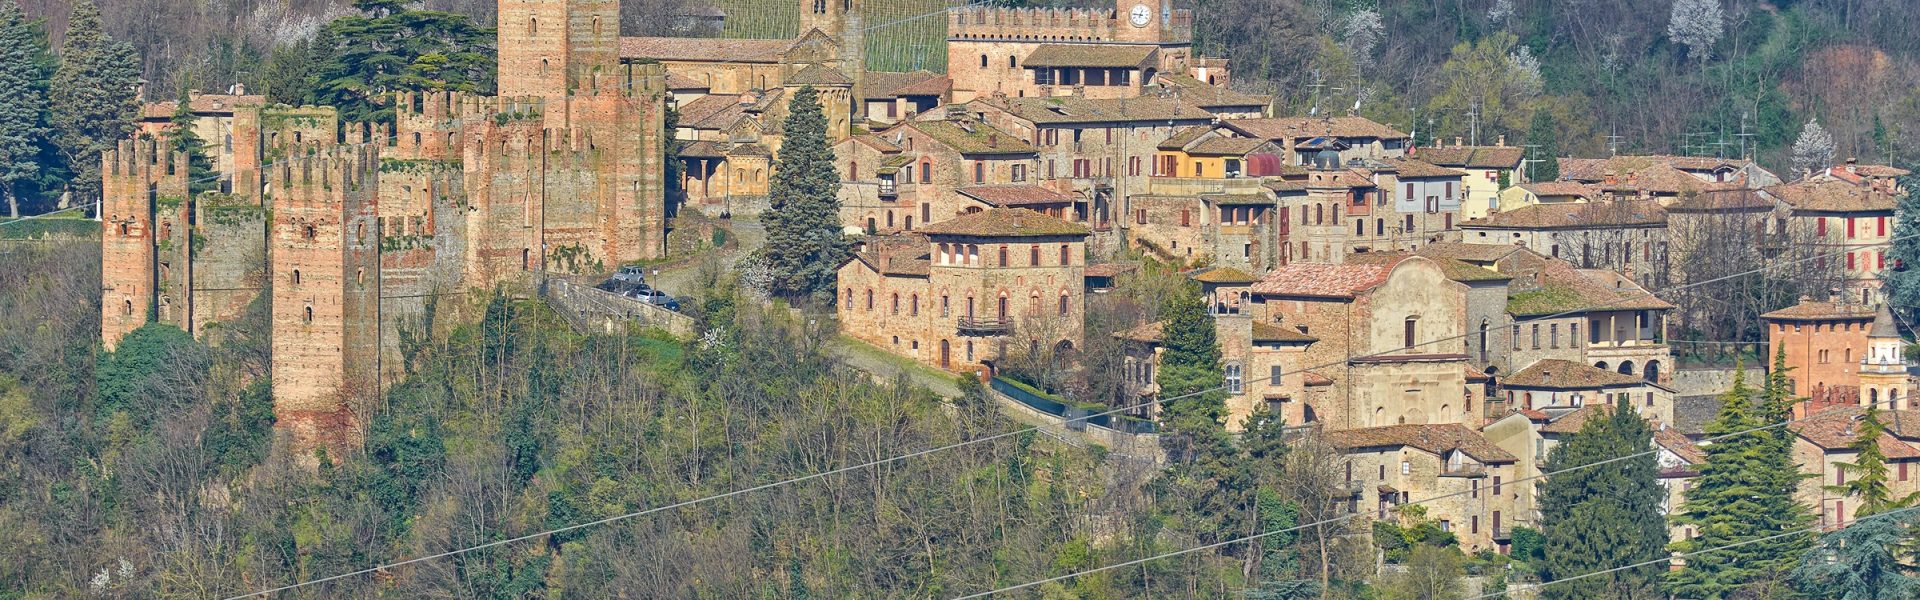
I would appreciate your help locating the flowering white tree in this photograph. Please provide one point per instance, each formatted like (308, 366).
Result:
(1500, 11)
(1814, 149)
(1696, 24)
(1362, 32)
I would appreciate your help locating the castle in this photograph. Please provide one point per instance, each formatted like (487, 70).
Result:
(351, 232)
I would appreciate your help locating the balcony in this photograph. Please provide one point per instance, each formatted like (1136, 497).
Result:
(985, 326)
(1502, 534)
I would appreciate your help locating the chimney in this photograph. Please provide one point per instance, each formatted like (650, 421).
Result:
(993, 140)
(1459, 141)
(1500, 141)
(1833, 295)
(1852, 163)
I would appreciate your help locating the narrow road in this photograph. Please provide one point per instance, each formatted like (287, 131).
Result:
(681, 280)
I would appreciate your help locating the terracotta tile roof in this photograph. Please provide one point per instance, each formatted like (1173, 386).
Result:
(706, 106)
(1883, 324)
(1107, 56)
(1223, 275)
(882, 85)
(1420, 169)
(1819, 310)
(1834, 429)
(1270, 333)
(903, 254)
(1111, 269)
(1473, 157)
(1479, 253)
(1201, 94)
(817, 74)
(676, 81)
(1342, 179)
(1005, 222)
(1285, 185)
(1558, 189)
(1559, 288)
(1716, 201)
(1066, 110)
(1575, 215)
(1557, 374)
(1316, 379)
(704, 49)
(703, 149)
(1014, 195)
(1226, 146)
(1454, 269)
(200, 104)
(1475, 375)
(1832, 196)
(1438, 439)
(1147, 333)
(1294, 128)
(1322, 280)
(1572, 422)
(1677, 443)
(1651, 174)
(973, 137)
(1184, 136)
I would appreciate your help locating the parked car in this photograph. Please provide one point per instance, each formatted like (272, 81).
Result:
(630, 274)
(638, 291)
(660, 299)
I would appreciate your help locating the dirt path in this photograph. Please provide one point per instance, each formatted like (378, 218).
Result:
(682, 280)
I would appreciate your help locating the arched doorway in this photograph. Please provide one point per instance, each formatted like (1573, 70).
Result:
(1653, 371)
(946, 354)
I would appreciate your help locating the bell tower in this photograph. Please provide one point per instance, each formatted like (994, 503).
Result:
(550, 48)
(1883, 370)
(844, 21)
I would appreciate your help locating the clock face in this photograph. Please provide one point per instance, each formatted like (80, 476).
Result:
(1140, 14)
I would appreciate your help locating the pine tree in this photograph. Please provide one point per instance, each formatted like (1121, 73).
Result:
(805, 246)
(393, 46)
(1745, 491)
(1866, 476)
(94, 97)
(23, 102)
(1546, 147)
(1601, 517)
(1903, 280)
(183, 139)
(1193, 405)
(1860, 562)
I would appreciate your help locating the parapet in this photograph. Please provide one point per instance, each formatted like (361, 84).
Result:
(324, 176)
(975, 22)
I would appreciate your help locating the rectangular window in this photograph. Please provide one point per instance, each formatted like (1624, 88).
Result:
(1409, 332)
(1409, 192)
(1820, 226)
(1475, 491)
(1186, 218)
(1140, 216)
(979, 171)
(1496, 492)
(1019, 172)
(1474, 521)
(1033, 255)
(1573, 335)
(1850, 227)
(1274, 372)
(1883, 226)
(1903, 471)
(946, 306)
(1406, 468)
(1553, 335)
(1536, 336)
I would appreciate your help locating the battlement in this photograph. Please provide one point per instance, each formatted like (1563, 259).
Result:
(328, 177)
(144, 159)
(1054, 24)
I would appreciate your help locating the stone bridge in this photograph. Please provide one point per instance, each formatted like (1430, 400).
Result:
(590, 308)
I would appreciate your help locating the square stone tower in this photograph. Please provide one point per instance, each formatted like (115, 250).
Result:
(324, 244)
(548, 48)
(143, 186)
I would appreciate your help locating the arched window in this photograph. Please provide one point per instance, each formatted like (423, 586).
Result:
(869, 299)
(533, 27)
(1003, 255)
(1873, 396)
(926, 170)
(896, 303)
(308, 232)
(296, 277)
(1653, 371)
(849, 298)
(913, 306)
(1485, 327)
(127, 309)
(1064, 302)
(1066, 256)
(309, 315)
(983, 61)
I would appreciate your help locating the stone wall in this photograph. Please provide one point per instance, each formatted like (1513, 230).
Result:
(229, 259)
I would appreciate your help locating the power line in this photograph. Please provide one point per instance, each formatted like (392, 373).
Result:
(1669, 559)
(1004, 435)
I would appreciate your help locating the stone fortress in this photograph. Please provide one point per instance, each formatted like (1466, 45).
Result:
(351, 232)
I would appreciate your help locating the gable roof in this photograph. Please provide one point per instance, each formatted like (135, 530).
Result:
(1473, 157)
(1419, 169)
(1464, 251)
(904, 254)
(1557, 374)
(1205, 95)
(1561, 188)
(1014, 195)
(1270, 333)
(1106, 56)
(1820, 310)
(1005, 222)
(818, 74)
(1437, 439)
(972, 137)
(883, 85)
(1575, 215)
(1557, 288)
(1293, 128)
(1224, 275)
(1455, 269)
(1677, 443)
(1067, 110)
(1323, 280)
(1570, 423)
(1835, 429)
(704, 49)
(1832, 196)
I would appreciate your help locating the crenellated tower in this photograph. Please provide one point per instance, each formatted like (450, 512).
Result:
(144, 189)
(551, 48)
(325, 246)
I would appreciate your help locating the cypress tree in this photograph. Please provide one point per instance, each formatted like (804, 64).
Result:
(1602, 517)
(94, 99)
(1866, 476)
(1745, 491)
(183, 139)
(1540, 135)
(1903, 280)
(804, 244)
(23, 102)
(1190, 367)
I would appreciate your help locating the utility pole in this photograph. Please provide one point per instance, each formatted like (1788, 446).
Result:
(1473, 123)
(1526, 170)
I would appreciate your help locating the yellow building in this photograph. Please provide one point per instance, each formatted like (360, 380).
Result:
(1490, 170)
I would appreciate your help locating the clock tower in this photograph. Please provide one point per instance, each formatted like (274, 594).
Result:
(1142, 21)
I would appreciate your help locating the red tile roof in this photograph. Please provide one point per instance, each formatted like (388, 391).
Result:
(1835, 429)
(1811, 310)
(1472, 157)
(1014, 195)
(1438, 439)
(1557, 374)
(1293, 128)
(1420, 169)
(1322, 280)
(1005, 222)
(1832, 196)
(1108, 56)
(1576, 215)
(704, 49)
(1679, 445)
